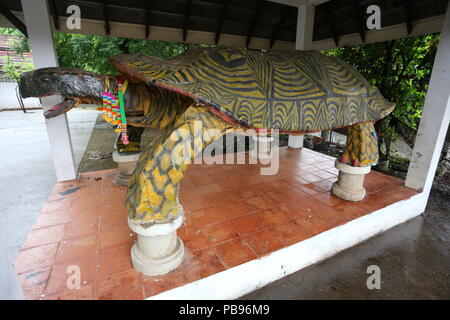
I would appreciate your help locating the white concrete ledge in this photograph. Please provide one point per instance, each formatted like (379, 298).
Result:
(238, 281)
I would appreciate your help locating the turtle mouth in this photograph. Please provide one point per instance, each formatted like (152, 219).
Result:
(59, 108)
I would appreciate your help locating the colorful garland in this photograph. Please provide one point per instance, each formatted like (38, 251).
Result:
(114, 108)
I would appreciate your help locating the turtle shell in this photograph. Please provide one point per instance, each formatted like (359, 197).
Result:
(296, 91)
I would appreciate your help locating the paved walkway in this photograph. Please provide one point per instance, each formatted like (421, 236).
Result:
(27, 173)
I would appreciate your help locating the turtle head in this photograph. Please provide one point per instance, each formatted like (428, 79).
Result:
(72, 84)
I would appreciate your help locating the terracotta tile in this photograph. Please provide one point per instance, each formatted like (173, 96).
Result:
(87, 201)
(124, 286)
(43, 236)
(206, 216)
(217, 199)
(274, 216)
(88, 190)
(249, 223)
(65, 187)
(311, 177)
(208, 263)
(377, 200)
(113, 221)
(323, 174)
(194, 239)
(33, 282)
(351, 210)
(256, 203)
(63, 272)
(113, 209)
(307, 189)
(234, 252)
(155, 285)
(266, 241)
(401, 192)
(84, 293)
(201, 179)
(81, 228)
(51, 219)
(232, 210)
(112, 194)
(62, 204)
(84, 214)
(35, 258)
(82, 247)
(114, 261)
(243, 193)
(292, 232)
(293, 210)
(329, 199)
(219, 232)
(115, 239)
(312, 224)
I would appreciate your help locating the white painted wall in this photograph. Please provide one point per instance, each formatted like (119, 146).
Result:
(37, 20)
(435, 118)
(8, 99)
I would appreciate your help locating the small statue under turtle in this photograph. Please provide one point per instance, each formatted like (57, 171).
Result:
(295, 92)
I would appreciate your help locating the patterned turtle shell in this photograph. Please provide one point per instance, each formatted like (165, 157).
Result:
(296, 91)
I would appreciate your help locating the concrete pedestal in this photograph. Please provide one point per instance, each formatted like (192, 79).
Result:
(295, 142)
(262, 147)
(158, 250)
(350, 184)
(126, 165)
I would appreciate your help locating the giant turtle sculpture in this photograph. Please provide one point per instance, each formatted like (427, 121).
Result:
(294, 92)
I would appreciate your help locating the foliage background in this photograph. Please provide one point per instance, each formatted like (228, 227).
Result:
(401, 69)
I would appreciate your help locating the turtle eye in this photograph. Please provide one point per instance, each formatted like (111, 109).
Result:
(45, 78)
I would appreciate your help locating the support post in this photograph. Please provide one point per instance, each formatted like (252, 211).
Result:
(37, 20)
(435, 119)
(158, 250)
(303, 41)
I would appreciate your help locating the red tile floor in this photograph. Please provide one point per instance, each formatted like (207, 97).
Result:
(232, 215)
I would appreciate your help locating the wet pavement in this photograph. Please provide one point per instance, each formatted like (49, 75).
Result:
(414, 259)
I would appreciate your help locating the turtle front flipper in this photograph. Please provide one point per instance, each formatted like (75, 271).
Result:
(153, 188)
(362, 145)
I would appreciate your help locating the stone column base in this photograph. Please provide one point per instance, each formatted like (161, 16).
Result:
(158, 250)
(262, 147)
(350, 184)
(295, 142)
(126, 165)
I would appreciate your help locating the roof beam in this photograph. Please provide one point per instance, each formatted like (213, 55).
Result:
(253, 25)
(331, 23)
(187, 15)
(298, 3)
(148, 13)
(278, 26)
(54, 13)
(106, 17)
(357, 15)
(14, 20)
(221, 20)
(408, 16)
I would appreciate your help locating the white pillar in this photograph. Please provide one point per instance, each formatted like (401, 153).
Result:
(39, 29)
(435, 118)
(158, 250)
(303, 41)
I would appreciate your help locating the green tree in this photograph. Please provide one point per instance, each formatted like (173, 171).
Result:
(90, 52)
(401, 69)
